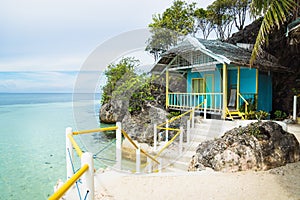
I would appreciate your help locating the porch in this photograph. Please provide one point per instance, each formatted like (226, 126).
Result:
(214, 102)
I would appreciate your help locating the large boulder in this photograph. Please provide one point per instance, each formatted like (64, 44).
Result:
(140, 126)
(113, 111)
(258, 146)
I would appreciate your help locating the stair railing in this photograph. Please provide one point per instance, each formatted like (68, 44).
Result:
(245, 101)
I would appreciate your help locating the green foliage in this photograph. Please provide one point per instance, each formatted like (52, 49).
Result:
(142, 94)
(251, 129)
(280, 114)
(203, 22)
(251, 105)
(115, 73)
(173, 114)
(259, 115)
(168, 27)
(275, 13)
(123, 83)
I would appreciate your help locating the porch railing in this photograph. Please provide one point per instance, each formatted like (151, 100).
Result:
(191, 100)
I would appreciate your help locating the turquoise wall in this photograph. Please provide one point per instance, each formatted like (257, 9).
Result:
(264, 92)
(217, 79)
(247, 84)
(247, 80)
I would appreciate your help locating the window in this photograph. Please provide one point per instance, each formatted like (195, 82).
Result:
(198, 85)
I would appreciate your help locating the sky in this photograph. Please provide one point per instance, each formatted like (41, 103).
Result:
(45, 43)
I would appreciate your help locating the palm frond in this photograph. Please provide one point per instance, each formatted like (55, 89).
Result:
(275, 15)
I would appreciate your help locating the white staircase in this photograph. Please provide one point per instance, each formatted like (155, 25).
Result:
(204, 130)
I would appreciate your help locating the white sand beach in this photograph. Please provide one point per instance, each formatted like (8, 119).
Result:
(279, 183)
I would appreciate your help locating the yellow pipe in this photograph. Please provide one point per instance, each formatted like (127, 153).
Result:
(168, 144)
(65, 187)
(224, 90)
(167, 89)
(75, 145)
(170, 129)
(133, 143)
(238, 89)
(95, 130)
(174, 118)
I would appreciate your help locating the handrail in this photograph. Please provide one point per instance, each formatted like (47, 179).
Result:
(167, 144)
(177, 117)
(174, 118)
(169, 129)
(246, 102)
(113, 128)
(228, 112)
(75, 145)
(133, 143)
(66, 186)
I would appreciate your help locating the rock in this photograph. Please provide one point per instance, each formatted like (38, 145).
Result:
(113, 111)
(258, 146)
(140, 127)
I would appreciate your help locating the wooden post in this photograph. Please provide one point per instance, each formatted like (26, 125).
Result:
(167, 88)
(238, 89)
(119, 146)
(167, 131)
(180, 140)
(69, 153)
(88, 176)
(155, 138)
(224, 90)
(188, 131)
(138, 159)
(295, 108)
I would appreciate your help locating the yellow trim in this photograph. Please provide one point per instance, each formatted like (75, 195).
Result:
(256, 96)
(224, 90)
(167, 88)
(65, 187)
(142, 150)
(75, 145)
(238, 89)
(95, 130)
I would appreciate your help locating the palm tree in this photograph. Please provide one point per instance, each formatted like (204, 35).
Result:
(275, 13)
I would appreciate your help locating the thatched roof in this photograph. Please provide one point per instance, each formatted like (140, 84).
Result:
(222, 52)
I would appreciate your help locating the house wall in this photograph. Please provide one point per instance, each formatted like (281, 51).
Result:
(216, 76)
(264, 92)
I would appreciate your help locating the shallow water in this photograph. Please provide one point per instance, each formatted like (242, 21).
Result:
(32, 141)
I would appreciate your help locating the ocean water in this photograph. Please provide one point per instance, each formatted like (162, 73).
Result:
(32, 141)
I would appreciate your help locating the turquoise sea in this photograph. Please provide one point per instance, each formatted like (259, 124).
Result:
(32, 141)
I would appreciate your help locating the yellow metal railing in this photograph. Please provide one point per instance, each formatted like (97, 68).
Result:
(245, 101)
(75, 145)
(65, 187)
(178, 132)
(113, 128)
(142, 150)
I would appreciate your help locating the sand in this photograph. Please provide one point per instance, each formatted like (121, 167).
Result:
(280, 183)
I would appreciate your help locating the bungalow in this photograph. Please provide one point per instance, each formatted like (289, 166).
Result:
(219, 74)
